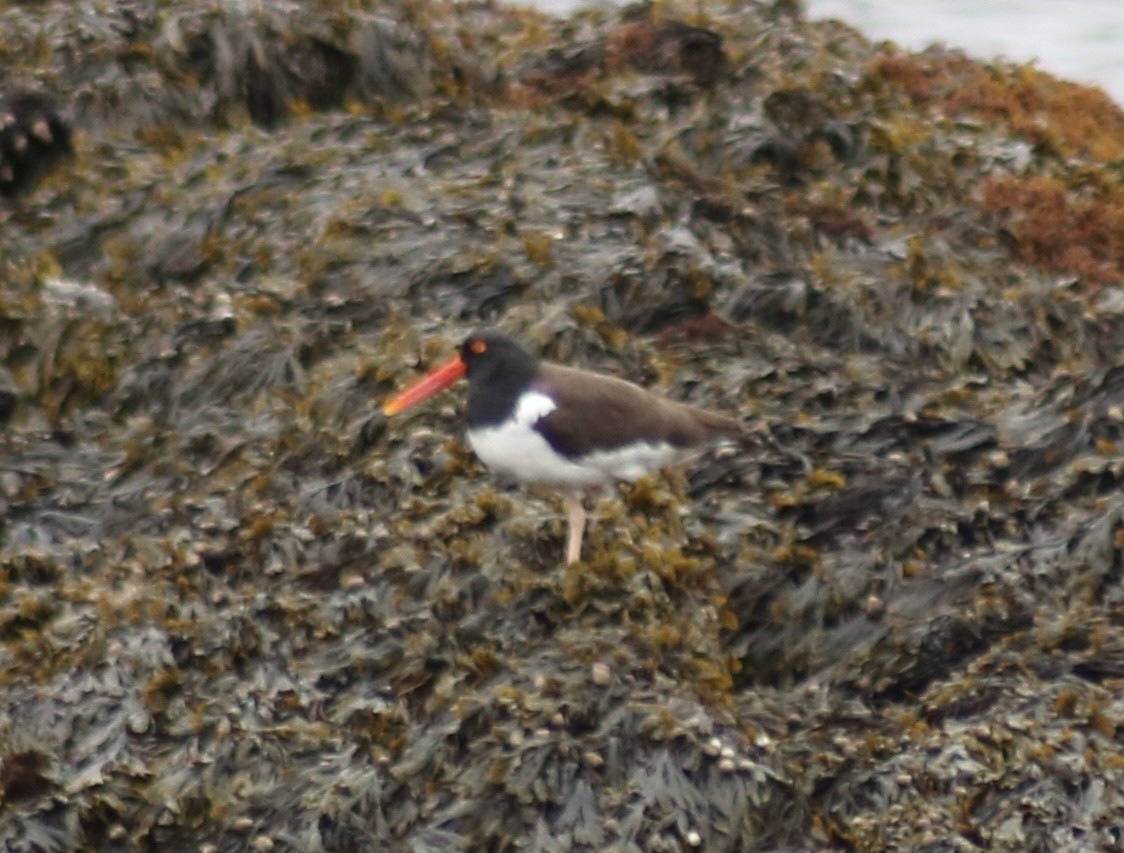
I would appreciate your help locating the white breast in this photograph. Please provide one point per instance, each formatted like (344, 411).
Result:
(515, 448)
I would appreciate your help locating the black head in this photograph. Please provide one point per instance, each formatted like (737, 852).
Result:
(498, 371)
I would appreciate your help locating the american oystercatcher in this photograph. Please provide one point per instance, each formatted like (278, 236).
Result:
(548, 425)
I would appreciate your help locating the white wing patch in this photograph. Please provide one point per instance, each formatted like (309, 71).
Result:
(532, 407)
(515, 448)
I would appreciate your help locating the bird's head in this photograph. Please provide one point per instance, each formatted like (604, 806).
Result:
(487, 357)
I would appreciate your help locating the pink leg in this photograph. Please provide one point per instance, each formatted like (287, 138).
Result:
(575, 518)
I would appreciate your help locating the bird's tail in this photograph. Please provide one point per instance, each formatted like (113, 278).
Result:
(720, 425)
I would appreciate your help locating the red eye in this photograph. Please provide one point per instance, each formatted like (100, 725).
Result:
(478, 347)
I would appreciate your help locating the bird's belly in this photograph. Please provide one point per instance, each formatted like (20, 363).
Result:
(522, 453)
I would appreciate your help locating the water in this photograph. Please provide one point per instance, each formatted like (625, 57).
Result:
(1080, 40)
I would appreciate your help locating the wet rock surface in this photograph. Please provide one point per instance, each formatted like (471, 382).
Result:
(241, 610)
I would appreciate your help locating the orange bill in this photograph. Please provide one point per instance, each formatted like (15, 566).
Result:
(426, 387)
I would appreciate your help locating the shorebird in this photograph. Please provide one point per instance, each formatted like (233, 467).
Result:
(548, 425)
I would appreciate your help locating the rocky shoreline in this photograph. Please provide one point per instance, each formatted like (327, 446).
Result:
(239, 610)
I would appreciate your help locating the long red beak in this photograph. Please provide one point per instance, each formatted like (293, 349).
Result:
(426, 387)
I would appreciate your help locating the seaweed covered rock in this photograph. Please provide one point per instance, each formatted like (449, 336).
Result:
(33, 137)
(239, 610)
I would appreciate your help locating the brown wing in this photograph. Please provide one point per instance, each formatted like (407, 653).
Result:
(600, 413)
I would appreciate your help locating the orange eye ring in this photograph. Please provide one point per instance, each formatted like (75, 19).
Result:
(478, 347)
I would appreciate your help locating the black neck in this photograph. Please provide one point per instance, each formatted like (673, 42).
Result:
(494, 385)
